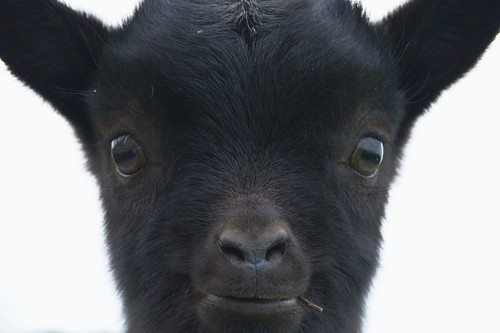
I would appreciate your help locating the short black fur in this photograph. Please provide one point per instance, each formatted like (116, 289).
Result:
(247, 114)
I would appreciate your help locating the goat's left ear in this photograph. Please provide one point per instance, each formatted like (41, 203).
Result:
(435, 42)
(55, 50)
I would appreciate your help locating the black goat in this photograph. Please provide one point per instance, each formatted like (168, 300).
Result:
(244, 149)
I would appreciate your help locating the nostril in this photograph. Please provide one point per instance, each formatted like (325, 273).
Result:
(231, 251)
(276, 245)
(277, 251)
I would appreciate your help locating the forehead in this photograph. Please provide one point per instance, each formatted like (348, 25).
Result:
(246, 57)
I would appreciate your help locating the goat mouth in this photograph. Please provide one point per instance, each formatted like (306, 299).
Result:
(251, 306)
(237, 314)
(255, 300)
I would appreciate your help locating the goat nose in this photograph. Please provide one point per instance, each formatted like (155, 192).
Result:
(268, 247)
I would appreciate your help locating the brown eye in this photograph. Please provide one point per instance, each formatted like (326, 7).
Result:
(127, 155)
(367, 157)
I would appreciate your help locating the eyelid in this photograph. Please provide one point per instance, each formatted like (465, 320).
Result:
(114, 142)
(377, 128)
(376, 135)
(116, 134)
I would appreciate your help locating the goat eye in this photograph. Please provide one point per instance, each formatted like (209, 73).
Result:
(127, 155)
(367, 157)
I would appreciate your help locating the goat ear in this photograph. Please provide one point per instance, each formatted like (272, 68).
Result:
(436, 42)
(54, 50)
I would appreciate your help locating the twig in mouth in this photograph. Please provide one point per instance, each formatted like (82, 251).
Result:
(311, 304)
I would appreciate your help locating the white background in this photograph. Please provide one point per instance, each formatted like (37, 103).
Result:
(440, 268)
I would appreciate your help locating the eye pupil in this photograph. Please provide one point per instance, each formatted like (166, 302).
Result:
(127, 155)
(125, 158)
(370, 157)
(367, 157)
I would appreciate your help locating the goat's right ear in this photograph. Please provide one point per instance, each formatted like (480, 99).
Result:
(54, 50)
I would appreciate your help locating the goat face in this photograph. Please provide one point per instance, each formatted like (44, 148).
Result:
(244, 150)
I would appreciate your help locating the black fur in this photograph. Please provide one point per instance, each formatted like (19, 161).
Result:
(248, 113)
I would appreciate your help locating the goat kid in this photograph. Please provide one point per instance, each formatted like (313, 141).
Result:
(244, 149)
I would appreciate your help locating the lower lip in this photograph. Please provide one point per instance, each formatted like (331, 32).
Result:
(250, 306)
